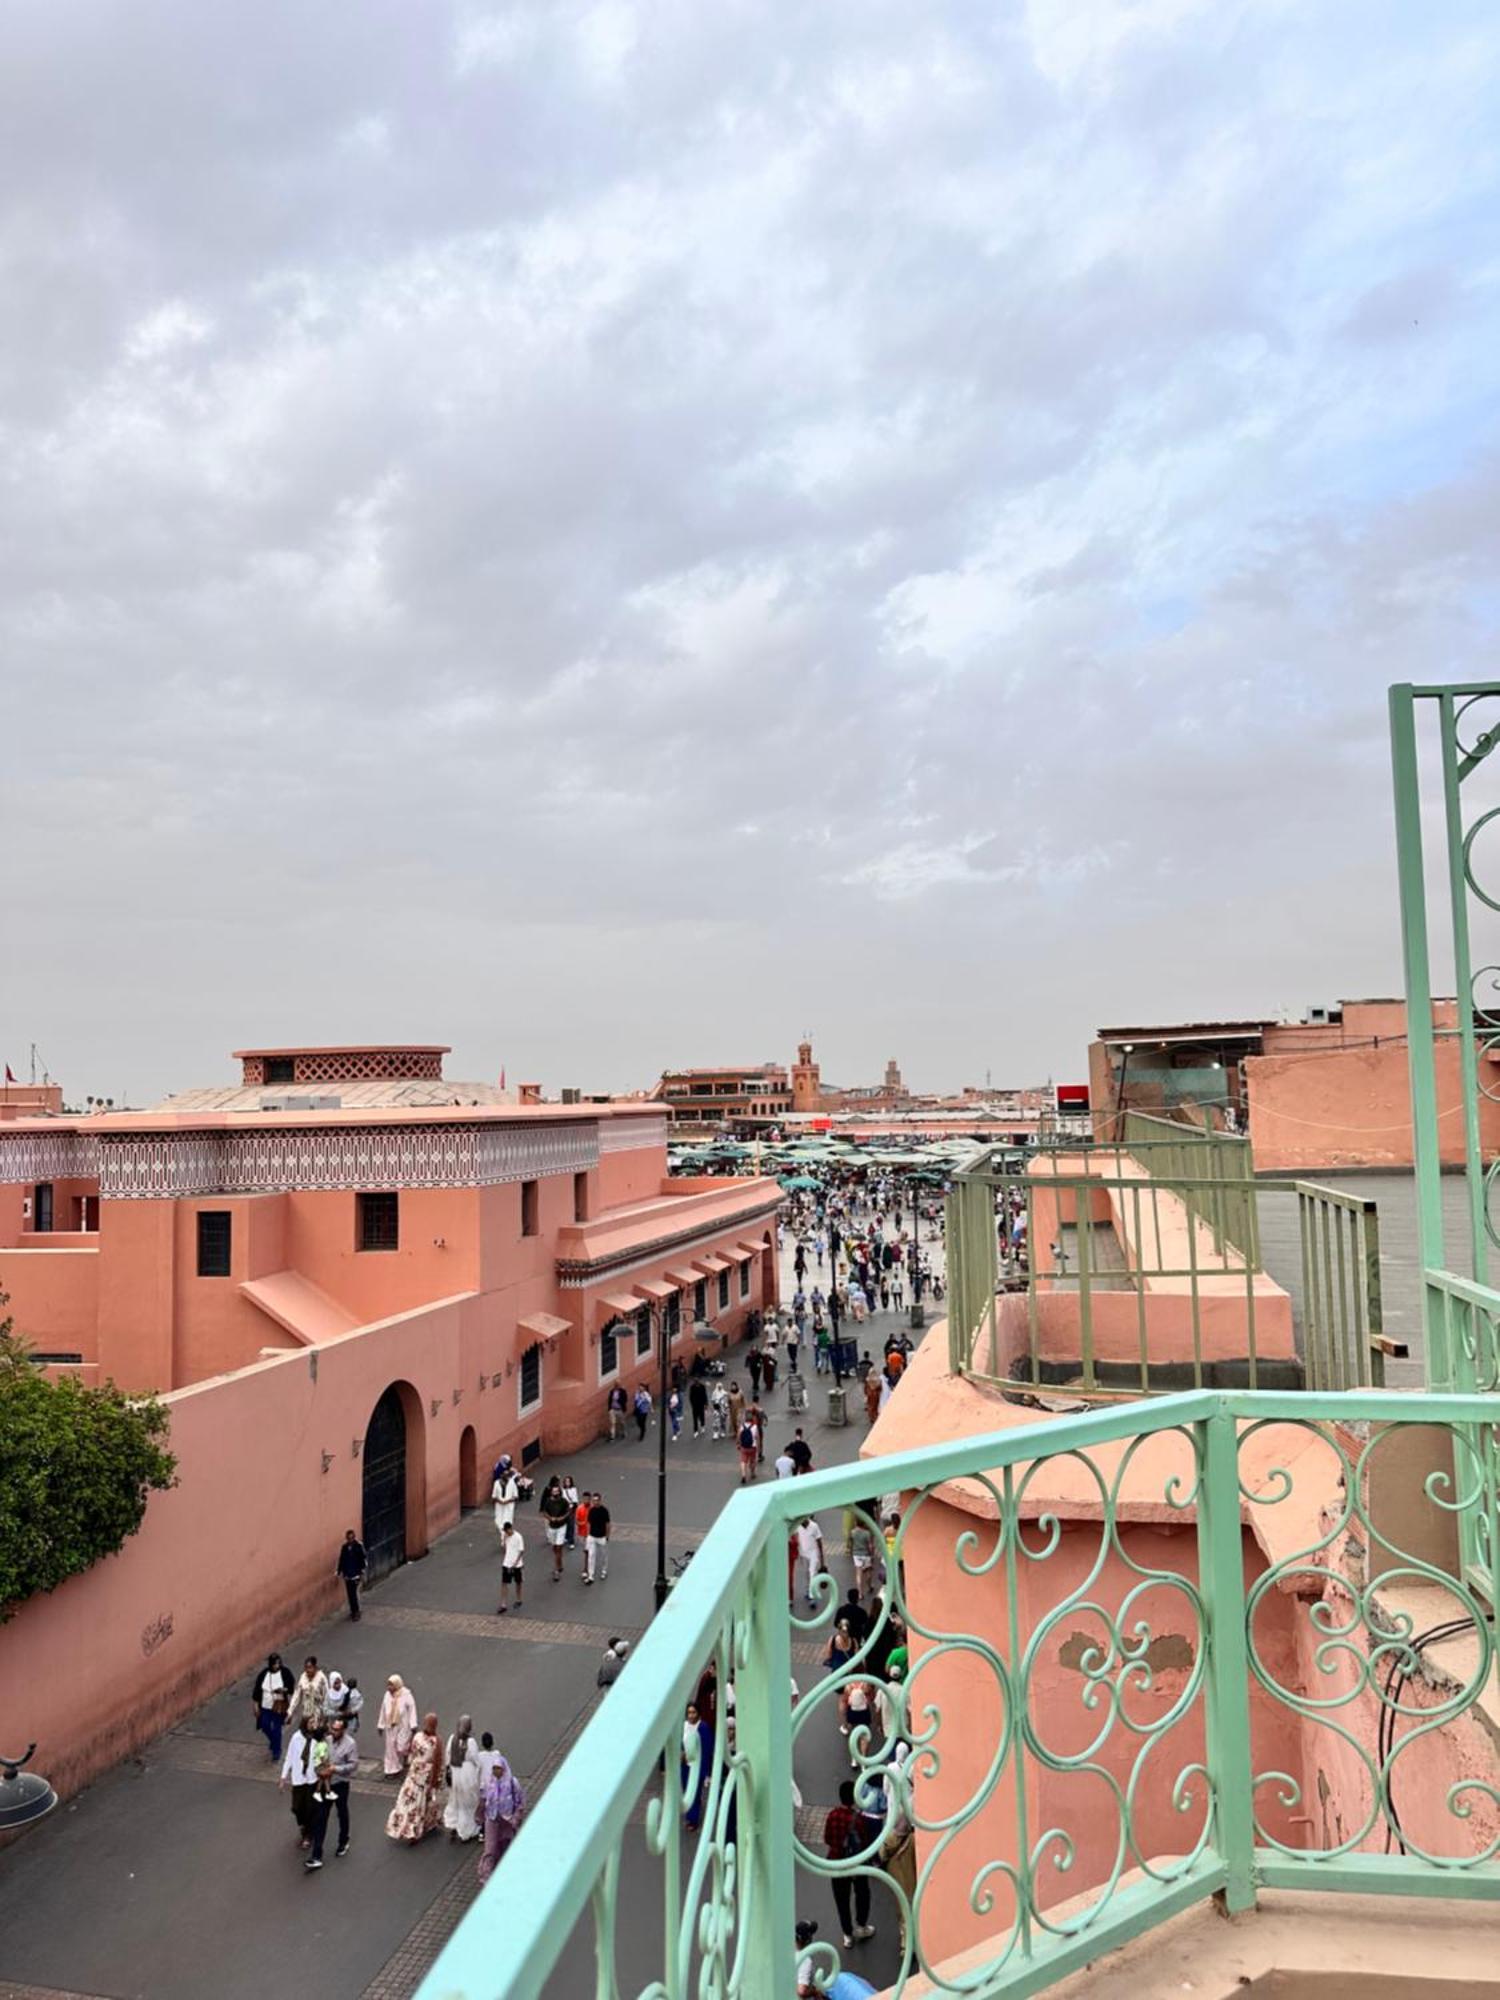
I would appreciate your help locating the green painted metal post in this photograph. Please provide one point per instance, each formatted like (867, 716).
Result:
(763, 1731)
(1419, 1034)
(1463, 974)
(1221, 1576)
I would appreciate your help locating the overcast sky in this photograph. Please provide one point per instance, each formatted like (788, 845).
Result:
(615, 535)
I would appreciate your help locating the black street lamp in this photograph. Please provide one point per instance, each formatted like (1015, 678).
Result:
(702, 1331)
(661, 1459)
(24, 1795)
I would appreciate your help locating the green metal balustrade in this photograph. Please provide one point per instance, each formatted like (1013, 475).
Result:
(1344, 1345)
(607, 1892)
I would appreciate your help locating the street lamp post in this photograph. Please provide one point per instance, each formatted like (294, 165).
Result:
(661, 1460)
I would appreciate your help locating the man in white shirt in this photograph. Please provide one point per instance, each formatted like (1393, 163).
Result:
(299, 1769)
(512, 1561)
(810, 1550)
(505, 1492)
(785, 1465)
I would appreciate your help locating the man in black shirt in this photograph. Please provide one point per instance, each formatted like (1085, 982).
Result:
(596, 1551)
(799, 1451)
(351, 1567)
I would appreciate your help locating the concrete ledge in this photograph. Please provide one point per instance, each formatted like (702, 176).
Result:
(1337, 1947)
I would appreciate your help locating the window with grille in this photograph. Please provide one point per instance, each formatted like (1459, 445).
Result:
(530, 1226)
(609, 1354)
(643, 1331)
(215, 1241)
(280, 1069)
(378, 1221)
(723, 1290)
(700, 1299)
(531, 1377)
(674, 1316)
(745, 1279)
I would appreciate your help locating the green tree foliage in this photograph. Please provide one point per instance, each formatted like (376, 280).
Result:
(76, 1466)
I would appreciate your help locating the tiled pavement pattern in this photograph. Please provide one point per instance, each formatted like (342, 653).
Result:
(407, 1965)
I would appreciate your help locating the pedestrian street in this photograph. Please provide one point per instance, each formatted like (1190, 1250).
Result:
(179, 1875)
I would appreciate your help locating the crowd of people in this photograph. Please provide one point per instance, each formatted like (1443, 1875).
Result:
(855, 1252)
(311, 1726)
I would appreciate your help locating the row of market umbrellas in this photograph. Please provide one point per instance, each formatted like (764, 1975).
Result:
(933, 1161)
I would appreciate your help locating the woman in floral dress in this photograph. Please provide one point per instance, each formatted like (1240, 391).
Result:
(419, 1803)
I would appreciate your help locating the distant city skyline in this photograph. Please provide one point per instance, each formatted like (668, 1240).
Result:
(611, 536)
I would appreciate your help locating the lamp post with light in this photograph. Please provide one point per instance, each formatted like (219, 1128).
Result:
(24, 1795)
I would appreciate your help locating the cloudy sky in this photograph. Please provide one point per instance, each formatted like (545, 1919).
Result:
(619, 534)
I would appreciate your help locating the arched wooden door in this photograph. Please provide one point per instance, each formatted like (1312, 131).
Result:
(385, 1485)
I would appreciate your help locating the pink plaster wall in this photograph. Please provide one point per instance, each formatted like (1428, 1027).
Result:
(1352, 1108)
(54, 1293)
(115, 1655)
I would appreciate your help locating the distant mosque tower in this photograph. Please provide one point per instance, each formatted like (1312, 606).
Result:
(894, 1087)
(807, 1082)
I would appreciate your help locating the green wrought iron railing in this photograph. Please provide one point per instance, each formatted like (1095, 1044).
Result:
(1212, 1172)
(997, 1249)
(1102, 1721)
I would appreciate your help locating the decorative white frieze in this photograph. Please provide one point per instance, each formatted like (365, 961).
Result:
(156, 1166)
(46, 1156)
(630, 1135)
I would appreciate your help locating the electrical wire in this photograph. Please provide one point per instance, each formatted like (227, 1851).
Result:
(1385, 1732)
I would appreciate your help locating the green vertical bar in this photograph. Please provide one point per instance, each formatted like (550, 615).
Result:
(1310, 1356)
(1419, 1037)
(1336, 1222)
(1221, 1570)
(763, 1735)
(1192, 1240)
(1083, 1209)
(1018, 1701)
(1463, 973)
(1140, 1297)
(1033, 1251)
(1374, 1316)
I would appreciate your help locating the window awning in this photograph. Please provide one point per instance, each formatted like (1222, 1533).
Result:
(685, 1277)
(624, 1303)
(714, 1263)
(653, 1288)
(749, 1249)
(546, 1326)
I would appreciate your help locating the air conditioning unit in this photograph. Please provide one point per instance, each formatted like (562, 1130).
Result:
(571, 1095)
(287, 1100)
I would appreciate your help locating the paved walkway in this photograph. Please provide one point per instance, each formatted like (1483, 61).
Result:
(178, 1874)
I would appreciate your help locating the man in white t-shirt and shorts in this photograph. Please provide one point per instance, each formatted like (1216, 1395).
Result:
(512, 1562)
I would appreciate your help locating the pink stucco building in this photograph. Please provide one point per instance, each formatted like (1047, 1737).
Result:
(357, 1283)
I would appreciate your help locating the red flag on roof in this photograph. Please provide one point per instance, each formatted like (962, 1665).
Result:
(502, 1076)
(10, 1075)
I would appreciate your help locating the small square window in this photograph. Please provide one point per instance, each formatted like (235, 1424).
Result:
(700, 1299)
(580, 1197)
(378, 1221)
(215, 1242)
(723, 1290)
(531, 1377)
(281, 1069)
(530, 1207)
(609, 1355)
